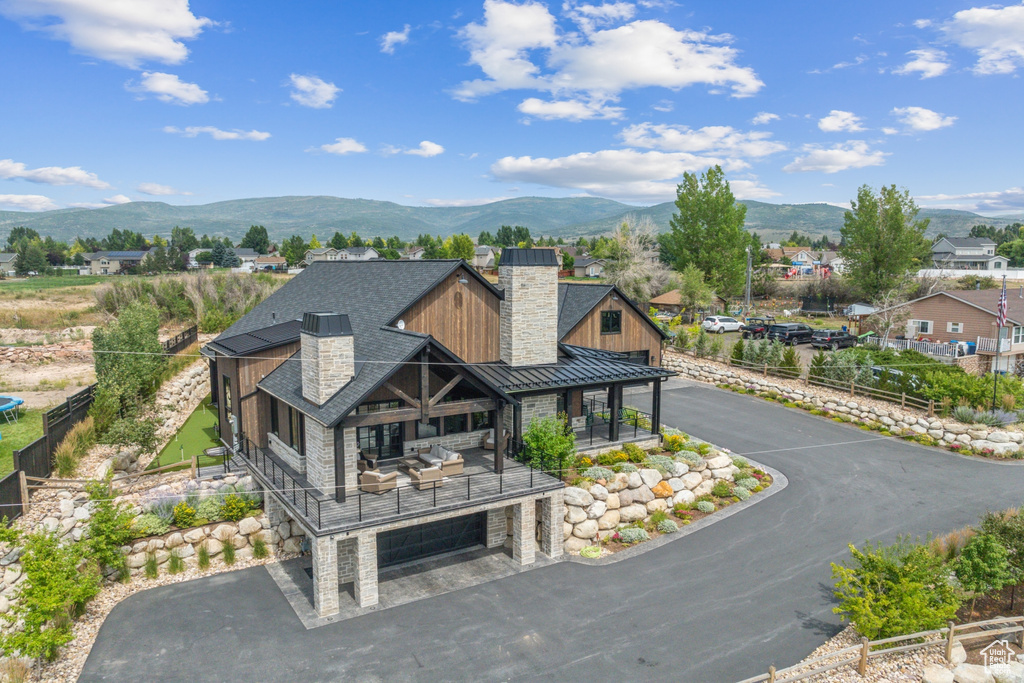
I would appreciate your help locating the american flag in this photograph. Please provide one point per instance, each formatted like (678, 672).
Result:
(1001, 319)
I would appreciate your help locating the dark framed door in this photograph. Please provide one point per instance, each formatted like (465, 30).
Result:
(381, 441)
(426, 540)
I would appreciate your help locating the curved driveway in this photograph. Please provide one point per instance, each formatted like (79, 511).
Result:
(718, 605)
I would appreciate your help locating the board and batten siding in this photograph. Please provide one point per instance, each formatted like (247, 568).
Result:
(462, 317)
(637, 333)
(250, 370)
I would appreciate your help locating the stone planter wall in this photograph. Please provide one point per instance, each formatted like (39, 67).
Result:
(945, 432)
(600, 509)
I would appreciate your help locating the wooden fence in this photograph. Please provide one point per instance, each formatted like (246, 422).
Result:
(182, 340)
(866, 650)
(36, 459)
(13, 496)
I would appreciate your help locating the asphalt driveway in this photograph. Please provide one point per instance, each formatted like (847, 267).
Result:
(718, 605)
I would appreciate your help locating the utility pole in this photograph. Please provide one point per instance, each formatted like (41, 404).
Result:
(746, 306)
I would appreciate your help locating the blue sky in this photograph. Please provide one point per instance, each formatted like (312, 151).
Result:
(438, 103)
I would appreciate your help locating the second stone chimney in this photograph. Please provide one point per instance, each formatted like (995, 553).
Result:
(529, 311)
(328, 355)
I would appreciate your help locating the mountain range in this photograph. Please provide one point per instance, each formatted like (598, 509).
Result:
(567, 217)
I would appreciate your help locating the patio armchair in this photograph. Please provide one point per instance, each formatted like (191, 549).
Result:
(373, 481)
(366, 465)
(450, 462)
(489, 440)
(426, 478)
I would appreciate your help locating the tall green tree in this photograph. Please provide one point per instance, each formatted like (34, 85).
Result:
(707, 231)
(18, 234)
(257, 240)
(459, 246)
(694, 292)
(128, 355)
(184, 239)
(293, 249)
(31, 257)
(339, 241)
(883, 240)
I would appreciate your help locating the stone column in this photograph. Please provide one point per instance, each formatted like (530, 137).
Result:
(524, 532)
(497, 528)
(552, 516)
(366, 569)
(273, 509)
(325, 575)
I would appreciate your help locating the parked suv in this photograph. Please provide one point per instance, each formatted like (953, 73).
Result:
(720, 324)
(832, 339)
(756, 328)
(791, 333)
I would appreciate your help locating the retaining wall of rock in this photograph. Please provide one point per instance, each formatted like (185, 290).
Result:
(945, 432)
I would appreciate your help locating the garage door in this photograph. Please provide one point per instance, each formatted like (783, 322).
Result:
(414, 543)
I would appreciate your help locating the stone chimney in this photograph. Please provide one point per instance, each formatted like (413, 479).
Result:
(529, 311)
(328, 355)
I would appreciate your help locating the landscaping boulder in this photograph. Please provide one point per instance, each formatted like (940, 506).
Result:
(613, 501)
(136, 560)
(284, 530)
(82, 513)
(632, 513)
(643, 495)
(599, 492)
(574, 545)
(566, 530)
(185, 551)
(676, 484)
(651, 478)
(270, 536)
(104, 468)
(719, 461)
(635, 480)
(704, 488)
(679, 469)
(656, 505)
(662, 490)
(1011, 672)
(957, 655)
(585, 529)
(625, 497)
(224, 532)
(194, 535)
(972, 673)
(67, 508)
(574, 514)
(936, 673)
(213, 546)
(620, 483)
(574, 495)
(293, 544)
(596, 509)
(683, 497)
(692, 480)
(174, 540)
(608, 520)
(722, 473)
(249, 526)
(239, 541)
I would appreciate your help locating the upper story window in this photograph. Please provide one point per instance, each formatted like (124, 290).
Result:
(297, 429)
(611, 322)
(377, 406)
(1018, 335)
(275, 421)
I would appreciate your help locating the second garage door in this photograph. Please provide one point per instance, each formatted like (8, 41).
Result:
(413, 543)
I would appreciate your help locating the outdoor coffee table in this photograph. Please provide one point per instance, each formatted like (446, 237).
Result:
(407, 464)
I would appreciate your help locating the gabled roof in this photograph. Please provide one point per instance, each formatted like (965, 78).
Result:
(966, 242)
(584, 262)
(7, 257)
(121, 255)
(985, 300)
(577, 299)
(245, 251)
(321, 250)
(358, 250)
(271, 259)
(258, 340)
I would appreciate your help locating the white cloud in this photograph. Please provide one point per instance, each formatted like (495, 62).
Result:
(995, 33)
(588, 17)
(126, 32)
(311, 91)
(718, 140)
(663, 105)
(27, 202)
(991, 202)
(343, 146)
(170, 88)
(921, 119)
(159, 190)
(393, 38)
(50, 175)
(570, 110)
(890, 131)
(621, 173)
(838, 121)
(851, 154)
(217, 133)
(751, 189)
(923, 23)
(928, 62)
(425, 149)
(763, 118)
(464, 202)
(118, 199)
(519, 46)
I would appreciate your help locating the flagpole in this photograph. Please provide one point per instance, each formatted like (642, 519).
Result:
(1001, 319)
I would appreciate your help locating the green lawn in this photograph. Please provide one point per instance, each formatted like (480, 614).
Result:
(35, 284)
(196, 435)
(28, 428)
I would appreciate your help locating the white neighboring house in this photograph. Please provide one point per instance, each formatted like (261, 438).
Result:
(322, 254)
(8, 264)
(485, 257)
(245, 255)
(967, 253)
(359, 254)
(414, 253)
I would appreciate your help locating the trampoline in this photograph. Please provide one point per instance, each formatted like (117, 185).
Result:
(9, 407)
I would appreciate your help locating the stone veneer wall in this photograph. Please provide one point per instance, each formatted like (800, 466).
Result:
(351, 456)
(529, 315)
(287, 453)
(538, 407)
(454, 442)
(319, 455)
(328, 363)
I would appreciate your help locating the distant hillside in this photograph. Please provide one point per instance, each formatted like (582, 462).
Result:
(568, 217)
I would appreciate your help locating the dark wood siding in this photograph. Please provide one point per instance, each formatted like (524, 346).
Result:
(637, 333)
(463, 317)
(245, 373)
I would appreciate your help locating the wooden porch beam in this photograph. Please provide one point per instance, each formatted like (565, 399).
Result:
(463, 407)
(444, 390)
(382, 417)
(402, 395)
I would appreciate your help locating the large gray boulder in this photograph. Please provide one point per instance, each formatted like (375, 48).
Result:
(972, 673)
(650, 477)
(935, 673)
(585, 529)
(574, 514)
(574, 495)
(632, 513)
(596, 509)
(599, 492)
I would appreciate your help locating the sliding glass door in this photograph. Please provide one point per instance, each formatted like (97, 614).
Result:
(381, 441)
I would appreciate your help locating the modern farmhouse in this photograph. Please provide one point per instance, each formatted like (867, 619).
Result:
(381, 404)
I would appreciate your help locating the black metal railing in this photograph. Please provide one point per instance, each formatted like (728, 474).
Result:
(303, 500)
(599, 421)
(182, 340)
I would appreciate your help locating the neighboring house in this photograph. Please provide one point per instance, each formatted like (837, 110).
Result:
(271, 263)
(329, 389)
(8, 264)
(967, 253)
(322, 254)
(969, 316)
(414, 253)
(588, 267)
(671, 302)
(246, 257)
(485, 257)
(113, 262)
(358, 254)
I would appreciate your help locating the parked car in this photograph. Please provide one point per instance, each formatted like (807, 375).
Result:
(791, 333)
(719, 324)
(832, 339)
(756, 328)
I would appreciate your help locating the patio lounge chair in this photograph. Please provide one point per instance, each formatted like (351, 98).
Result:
(489, 441)
(450, 462)
(375, 482)
(426, 478)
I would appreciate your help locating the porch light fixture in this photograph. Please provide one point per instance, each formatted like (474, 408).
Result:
(463, 280)
(614, 298)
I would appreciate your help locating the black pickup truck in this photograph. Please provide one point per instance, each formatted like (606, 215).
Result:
(756, 328)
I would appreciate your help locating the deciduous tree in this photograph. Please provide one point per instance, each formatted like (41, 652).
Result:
(256, 239)
(634, 267)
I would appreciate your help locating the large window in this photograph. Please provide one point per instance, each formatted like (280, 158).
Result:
(275, 418)
(381, 441)
(611, 322)
(297, 427)
(455, 424)
(227, 396)
(1018, 335)
(377, 406)
(429, 430)
(642, 357)
(481, 420)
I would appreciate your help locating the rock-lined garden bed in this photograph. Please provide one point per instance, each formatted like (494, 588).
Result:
(932, 431)
(631, 496)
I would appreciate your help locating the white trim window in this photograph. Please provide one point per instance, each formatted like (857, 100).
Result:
(955, 328)
(920, 326)
(1018, 335)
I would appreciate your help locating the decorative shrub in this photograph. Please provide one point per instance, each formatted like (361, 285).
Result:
(626, 467)
(184, 515)
(259, 549)
(740, 462)
(228, 553)
(661, 462)
(741, 492)
(620, 456)
(204, 557)
(721, 490)
(149, 524)
(235, 508)
(632, 535)
(635, 453)
(674, 443)
(657, 517)
(703, 448)
(209, 509)
(746, 483)
(175, 565)
(667, 526)
(606, 460)
(596, 473)
(584, 462)
(690, 458)
(681, 509)
(152, 570)
(581, 482)
(705, 506)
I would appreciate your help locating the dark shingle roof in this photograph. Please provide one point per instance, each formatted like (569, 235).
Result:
(575, 301)
(968, 242)
(584, 262)
(5, 257)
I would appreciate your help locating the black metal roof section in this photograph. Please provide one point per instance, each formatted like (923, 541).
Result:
(326, 324)
(258, 340)
(514, 256)
(577, 368)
